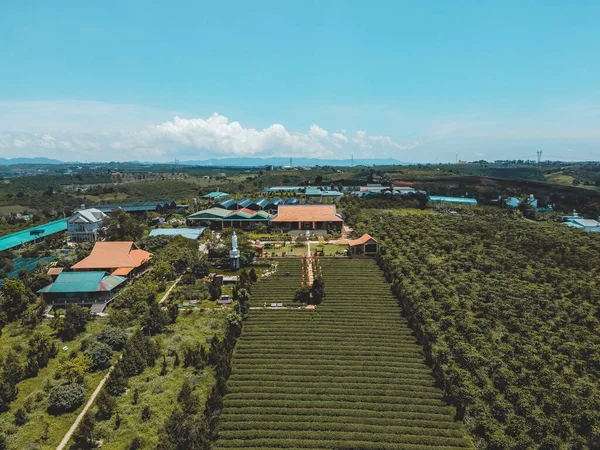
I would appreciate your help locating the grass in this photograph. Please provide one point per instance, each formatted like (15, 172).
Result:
(30, 434)
(329, 249)
(159, 393)
(14, 209)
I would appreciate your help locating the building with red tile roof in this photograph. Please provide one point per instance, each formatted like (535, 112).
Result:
(308, 217)
(117, 258)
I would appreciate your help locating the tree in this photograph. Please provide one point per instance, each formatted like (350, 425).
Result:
(42, 348)
(8, 392)
(15, 297)
(173, 311)
(215, 290)
(115, 337)
(146, 414)
(155, 319)
(302, 295)
(99, 354)
(74, 369)
(120, 226)
(21, 417)
(253, 276)
(163, 370)
(84, 435)
(66, 398)
(12, 370)
(106, 405)
(317, 291)
(73, 323)
(117, 382)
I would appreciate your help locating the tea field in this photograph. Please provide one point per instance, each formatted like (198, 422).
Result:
(349, 375)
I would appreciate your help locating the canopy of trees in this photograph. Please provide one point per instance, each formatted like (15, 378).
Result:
(509, 313)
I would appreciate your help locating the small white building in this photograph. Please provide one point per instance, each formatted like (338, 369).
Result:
(83, 226)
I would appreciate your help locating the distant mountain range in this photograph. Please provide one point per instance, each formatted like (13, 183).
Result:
(234, 162)
(296, 162)
(39, 160)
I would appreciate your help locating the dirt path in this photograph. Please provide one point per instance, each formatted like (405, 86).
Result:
(164, 297)
(67, 437)
(90, 402)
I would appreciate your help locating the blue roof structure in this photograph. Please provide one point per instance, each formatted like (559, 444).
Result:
(291, 201)
(83, 282)
(32, 234)
(190, 233)
(243, 203)
(226, 203)
(459, 200)
(260, 202)
(215, 195)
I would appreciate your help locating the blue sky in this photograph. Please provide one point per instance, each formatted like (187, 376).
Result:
(417, 81)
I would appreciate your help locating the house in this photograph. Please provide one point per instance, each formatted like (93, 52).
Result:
(514, 202)
(117, 258)
(85, 224)
(364, 245)
(82, 288)
(272, 205)
(307, 217)
(582, 224)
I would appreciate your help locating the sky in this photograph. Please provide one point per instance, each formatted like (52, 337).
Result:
(427, 81)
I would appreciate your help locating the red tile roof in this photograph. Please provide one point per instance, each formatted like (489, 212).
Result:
(111, 255)
(361, 240)
(306, 213)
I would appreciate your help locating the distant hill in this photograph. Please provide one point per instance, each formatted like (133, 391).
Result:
(38, 160)
(296, 162)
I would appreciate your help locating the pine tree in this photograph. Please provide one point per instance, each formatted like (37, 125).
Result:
(106, 404)
(163, 370)
(84, 435)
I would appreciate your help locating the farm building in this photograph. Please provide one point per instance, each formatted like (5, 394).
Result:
(116, 258)
(284, 189)
(322, 194)
(33, 234)
(582, 224)
(84, 225)
(364, 245)
(308, 217)
(139, 207)
(216, 195)
(190, 233)
(458, 200)
(82, 288)
(220, 218)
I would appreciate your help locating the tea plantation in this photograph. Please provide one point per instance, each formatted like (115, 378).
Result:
(349, 375)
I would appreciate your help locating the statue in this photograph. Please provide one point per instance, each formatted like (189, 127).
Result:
(234, 254)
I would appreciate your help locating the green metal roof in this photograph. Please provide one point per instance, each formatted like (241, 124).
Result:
(211, 213)
(31, 234)
(83, 282)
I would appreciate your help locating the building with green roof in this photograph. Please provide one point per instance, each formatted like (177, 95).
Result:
(82, 288)
(33, 234)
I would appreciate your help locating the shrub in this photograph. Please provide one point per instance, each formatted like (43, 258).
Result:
(66, 398)
(114, 337)
(99, 354)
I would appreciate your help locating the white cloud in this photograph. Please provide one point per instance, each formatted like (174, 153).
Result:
(318, 132)
(193, 138)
